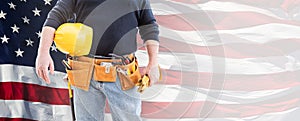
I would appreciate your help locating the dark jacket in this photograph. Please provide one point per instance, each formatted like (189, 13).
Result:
(115, 23)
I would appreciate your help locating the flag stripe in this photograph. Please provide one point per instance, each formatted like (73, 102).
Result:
(34, 93)
(267, 33)
(259, 3)
(162, 93)
(277, 116)
(168, 110)
(237, 49)
(216, 6)
(188, 21)
(34, 110)
(157, 93)
(232, 81)
(15, 119)
(194, 109)
(27, 74)
(203, 63)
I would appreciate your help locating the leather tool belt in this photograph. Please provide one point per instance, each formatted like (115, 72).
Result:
(82, 69)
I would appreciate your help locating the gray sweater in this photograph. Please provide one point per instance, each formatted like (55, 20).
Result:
(115, 23)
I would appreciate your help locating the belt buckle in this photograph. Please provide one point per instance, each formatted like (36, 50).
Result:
(107, 66)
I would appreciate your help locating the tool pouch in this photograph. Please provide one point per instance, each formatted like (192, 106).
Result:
(135, 74)
(81, 73)
(125, 81)
(105, 72)
(130, 79)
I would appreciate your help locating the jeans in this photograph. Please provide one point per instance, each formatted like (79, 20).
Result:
(90, 105)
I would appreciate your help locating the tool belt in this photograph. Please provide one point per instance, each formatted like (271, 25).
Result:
(82, 69)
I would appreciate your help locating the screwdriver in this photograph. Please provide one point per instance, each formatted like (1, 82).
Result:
(66, 65)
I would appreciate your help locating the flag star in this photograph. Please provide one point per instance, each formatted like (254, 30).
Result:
(53, 48)
(26, 20)
(2, 14)
(36, 12)
(23, 0)
(15, 28)
(4, 39)
(19, 53)
(48, 2)
(12, 5)
(39, 34)
(29, 42)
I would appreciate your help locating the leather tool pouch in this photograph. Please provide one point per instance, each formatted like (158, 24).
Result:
(81, 73)
(125, 81)
(129, 80)
(105, 71)
(135, 76)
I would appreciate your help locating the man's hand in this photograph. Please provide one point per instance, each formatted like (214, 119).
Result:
(43, 62)
(153, 72)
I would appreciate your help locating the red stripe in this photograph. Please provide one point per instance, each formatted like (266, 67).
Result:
(222, 21)
(167, 110)
(15, 119)
(34, 93)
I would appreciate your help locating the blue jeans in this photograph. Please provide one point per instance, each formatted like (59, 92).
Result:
(90, 105)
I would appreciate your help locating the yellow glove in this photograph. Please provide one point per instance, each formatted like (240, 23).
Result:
(143, 83)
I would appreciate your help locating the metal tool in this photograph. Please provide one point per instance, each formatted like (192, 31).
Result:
(66, 65)
(125, 60)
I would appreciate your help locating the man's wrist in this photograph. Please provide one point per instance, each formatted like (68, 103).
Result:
(153, 62)
(43, 52)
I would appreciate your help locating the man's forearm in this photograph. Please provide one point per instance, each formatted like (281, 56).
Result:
(46, 39)
(43, 60)
(152, 49)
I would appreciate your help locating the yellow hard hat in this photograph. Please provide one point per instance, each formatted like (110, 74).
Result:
(74, 39)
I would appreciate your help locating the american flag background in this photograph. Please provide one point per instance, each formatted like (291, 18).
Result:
(222, 60)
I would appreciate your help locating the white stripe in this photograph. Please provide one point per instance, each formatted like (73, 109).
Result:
(257, 97)
(234, 7)
(164, 8)
(265, 33)
(34, 110)
(172, 93)
(203, 63)
(26, 74)
(256, 34)
(252, 94)
(188, 37)
(288, 115)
